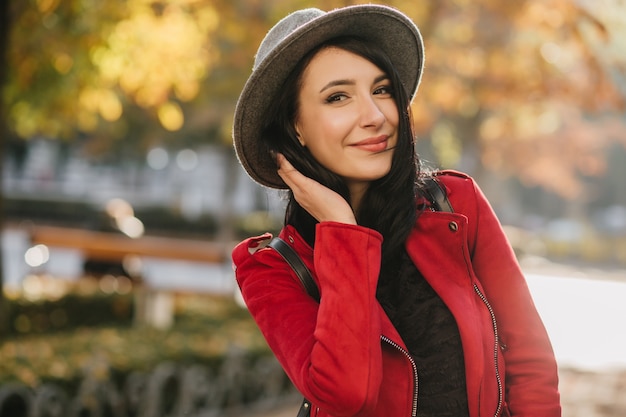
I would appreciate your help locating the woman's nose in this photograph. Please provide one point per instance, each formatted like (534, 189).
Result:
(371, 114)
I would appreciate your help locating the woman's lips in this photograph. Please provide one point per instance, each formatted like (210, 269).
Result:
(377, 144)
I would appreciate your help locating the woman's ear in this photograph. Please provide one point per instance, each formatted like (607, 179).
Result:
(298, 135)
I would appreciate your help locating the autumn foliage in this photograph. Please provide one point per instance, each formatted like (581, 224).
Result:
(525, 88)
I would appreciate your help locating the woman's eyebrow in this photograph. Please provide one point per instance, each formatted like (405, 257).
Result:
(335, 83)
(380, 78)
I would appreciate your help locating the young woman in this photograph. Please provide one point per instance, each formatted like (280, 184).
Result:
(422, 312)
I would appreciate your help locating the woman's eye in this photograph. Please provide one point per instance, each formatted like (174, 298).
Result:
(384, 89)
(336, 97)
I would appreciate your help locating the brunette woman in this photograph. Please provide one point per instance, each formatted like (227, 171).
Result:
(422, 312)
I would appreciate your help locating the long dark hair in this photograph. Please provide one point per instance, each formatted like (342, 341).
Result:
(389, 204)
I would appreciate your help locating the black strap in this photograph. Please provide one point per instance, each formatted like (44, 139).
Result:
(292, 258)
(297, 265)
(305, 409)
(437, 195)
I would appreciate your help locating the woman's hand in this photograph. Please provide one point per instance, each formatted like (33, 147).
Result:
(320, 201)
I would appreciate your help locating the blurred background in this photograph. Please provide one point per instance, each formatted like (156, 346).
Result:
(121, 196)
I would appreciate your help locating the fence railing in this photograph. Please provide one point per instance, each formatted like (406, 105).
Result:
(169, 390)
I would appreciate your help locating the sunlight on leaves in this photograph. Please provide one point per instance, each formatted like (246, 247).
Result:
(63, 63)
(47, 6)
(171, 116)
(109, 105)
(111, 68)
(446, 144)
(152, 55)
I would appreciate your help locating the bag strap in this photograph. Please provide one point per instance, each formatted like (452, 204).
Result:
(305, 409)
(436, 194)
(292, 258)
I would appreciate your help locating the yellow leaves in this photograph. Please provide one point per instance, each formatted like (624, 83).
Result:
(171, 116)
(446, 92)
(23, 118)
(551, 52)
(47, 6)
(110, 65)
(498, 65)
(537, 120)
(566, 56)
(100, 100)
(470, 63)
(548, 122)
(63, 63)
(423, 116)
(522, 122)
(492, 129)
(418, 10)
(459, 31)
(553, 174)
(89, 98)
(97, 57)
(446, 144)
(187, 90)
(153, 55)
(225, 130)
(468, 106)
(493, 69)
(543, 13)
(544, 143)
(207, 19)
(27, 121)
(109, 106)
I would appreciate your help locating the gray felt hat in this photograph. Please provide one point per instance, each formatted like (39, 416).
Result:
(288, 42)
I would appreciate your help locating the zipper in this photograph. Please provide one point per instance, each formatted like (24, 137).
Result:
(496, 344)
(413, 365)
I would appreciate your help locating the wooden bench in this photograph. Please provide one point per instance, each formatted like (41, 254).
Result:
(154, 306)
(115, 247)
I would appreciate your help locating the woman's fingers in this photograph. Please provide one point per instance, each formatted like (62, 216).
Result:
(292, 177)
(321, 202)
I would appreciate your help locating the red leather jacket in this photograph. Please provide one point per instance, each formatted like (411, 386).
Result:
(344, 354)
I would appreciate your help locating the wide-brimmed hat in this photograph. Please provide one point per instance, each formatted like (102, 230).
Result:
(288, 42)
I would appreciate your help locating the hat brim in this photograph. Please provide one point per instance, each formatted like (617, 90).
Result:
(393, 31)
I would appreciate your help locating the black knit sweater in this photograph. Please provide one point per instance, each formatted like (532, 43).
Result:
(430, 333)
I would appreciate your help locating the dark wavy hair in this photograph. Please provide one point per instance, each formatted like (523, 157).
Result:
(389, 204)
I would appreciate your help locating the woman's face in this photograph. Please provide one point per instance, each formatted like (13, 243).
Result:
(347, 116)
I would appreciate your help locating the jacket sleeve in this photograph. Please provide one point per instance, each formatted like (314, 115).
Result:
(531, 377)
(331, 351)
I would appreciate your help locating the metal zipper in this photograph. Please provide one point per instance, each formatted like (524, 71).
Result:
(496, 344)
(413, 365)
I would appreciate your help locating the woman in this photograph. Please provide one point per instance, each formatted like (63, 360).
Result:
(422, 313)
